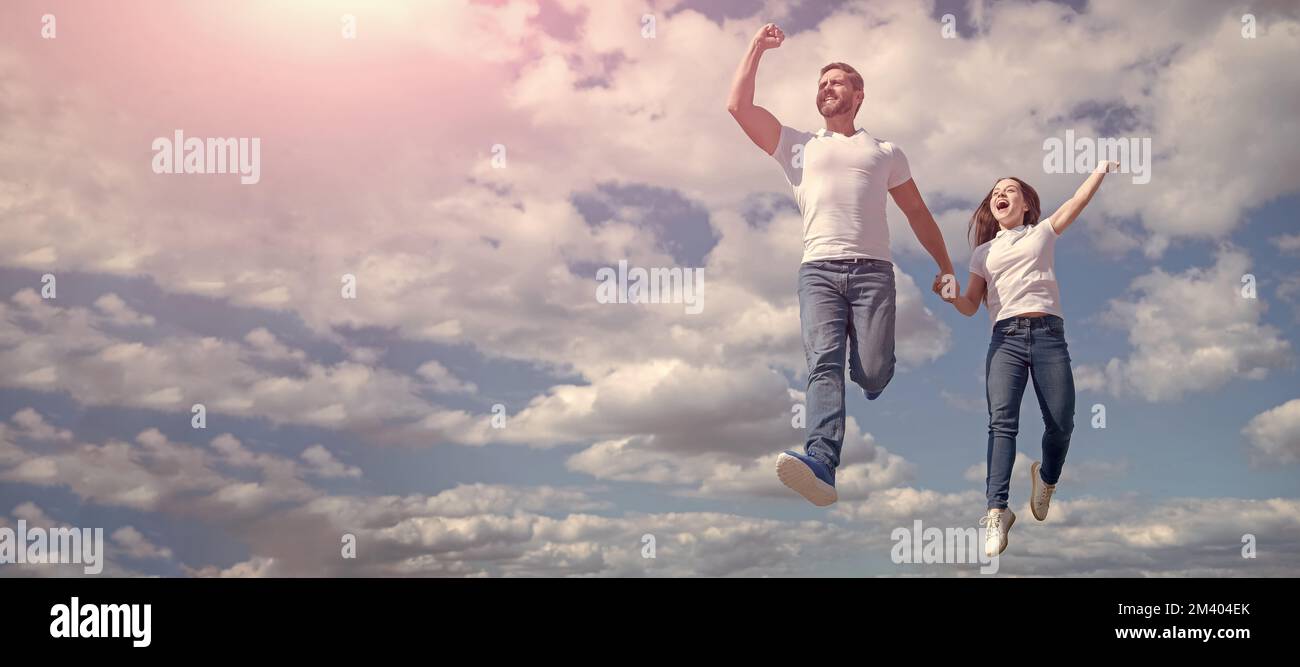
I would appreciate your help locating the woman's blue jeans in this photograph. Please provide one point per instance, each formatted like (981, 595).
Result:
(1025, 347)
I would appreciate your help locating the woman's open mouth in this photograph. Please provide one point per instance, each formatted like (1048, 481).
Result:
(1002, 205)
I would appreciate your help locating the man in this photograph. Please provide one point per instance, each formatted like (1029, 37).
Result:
(846, 279)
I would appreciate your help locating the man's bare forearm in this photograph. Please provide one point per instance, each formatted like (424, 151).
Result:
(758, 123)
(742, 86)
(927, 232)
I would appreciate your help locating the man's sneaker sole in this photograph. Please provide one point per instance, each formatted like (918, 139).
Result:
(798, 476)
(1033, 493)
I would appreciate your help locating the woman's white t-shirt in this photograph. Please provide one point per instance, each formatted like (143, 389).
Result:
(1017, 267)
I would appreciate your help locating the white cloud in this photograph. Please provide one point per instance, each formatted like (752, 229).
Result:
(497, 530)
(1274, 435)
(865, 467)
(1125, 536)
(154, 473)
(323, 463)
(420, 233)
(443, 380)
(264, 345)
(134, 544)
(1073, 473)
(965, 402)
(62, 565)
(33, 425)
(1287, 243)
(46, 347)
(121, 314)
(253, 568)
(684, 408)
(1193, 331)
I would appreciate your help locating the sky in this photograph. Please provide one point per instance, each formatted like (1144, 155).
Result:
(476, 410)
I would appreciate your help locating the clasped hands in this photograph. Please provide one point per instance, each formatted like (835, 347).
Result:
(947, 291)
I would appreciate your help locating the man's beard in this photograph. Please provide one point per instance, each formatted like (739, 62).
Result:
(839, 106)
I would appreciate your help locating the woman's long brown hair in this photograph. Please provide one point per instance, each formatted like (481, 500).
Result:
(983, 227)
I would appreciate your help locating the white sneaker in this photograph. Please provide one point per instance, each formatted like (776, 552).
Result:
(1041, 496)
(997, 523)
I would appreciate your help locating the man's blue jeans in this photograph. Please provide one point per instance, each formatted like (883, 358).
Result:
(846, 307)
(1023, 347)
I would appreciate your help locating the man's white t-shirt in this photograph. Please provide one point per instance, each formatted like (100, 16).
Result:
(1017, 267)
(840, 184)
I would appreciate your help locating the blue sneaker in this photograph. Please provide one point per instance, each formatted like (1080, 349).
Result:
(811, 478)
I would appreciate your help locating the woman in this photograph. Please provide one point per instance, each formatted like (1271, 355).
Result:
(1011, 273)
